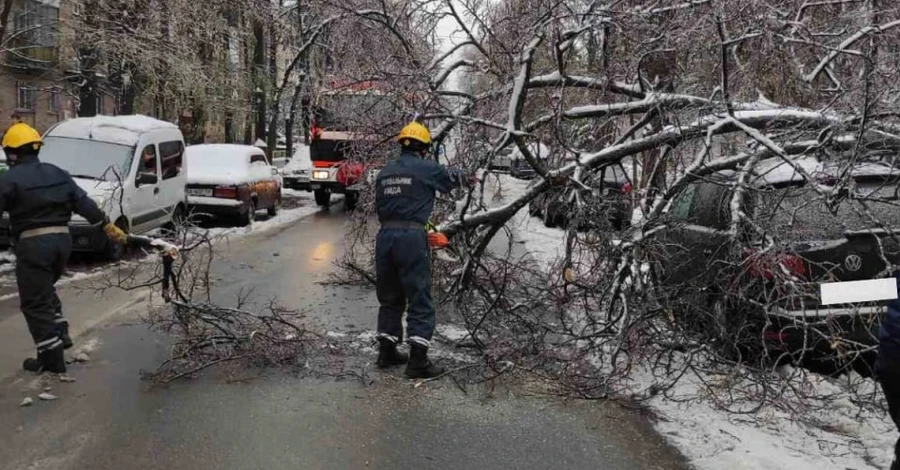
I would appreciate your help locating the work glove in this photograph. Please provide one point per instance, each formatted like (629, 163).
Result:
(115, 234)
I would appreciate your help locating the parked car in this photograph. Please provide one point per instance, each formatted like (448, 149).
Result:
(519, 167)
(609, 199)
(779, 288)
(296, 171)
(227, 180)
(133, 166)
(503, 160)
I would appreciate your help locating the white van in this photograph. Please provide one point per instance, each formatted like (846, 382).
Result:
(133, 166)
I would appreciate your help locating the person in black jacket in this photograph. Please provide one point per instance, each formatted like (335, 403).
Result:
(887, 365)
(40, 199)
(404, 198)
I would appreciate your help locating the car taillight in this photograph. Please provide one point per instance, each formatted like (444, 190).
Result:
(626, 188)
(774, 336)
(766, 265)
(228, 192)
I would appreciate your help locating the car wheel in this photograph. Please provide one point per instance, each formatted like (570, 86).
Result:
(323, 197)
(250, 216)
(350, 200)
(549, 218)
(172, 228)
(273, 211)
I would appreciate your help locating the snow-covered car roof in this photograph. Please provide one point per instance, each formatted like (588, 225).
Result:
(219, 163)
(124, 130)
(776, 171)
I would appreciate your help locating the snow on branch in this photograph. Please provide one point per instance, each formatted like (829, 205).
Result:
(557, 80)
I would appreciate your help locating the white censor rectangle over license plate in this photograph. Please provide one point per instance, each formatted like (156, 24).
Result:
(859, 291)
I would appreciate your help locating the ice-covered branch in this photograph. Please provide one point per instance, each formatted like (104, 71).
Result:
(847, 43)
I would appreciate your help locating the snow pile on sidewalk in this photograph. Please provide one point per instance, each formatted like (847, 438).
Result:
(834, 434)
(284, 217)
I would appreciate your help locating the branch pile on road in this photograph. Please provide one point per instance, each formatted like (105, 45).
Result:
(205, 335)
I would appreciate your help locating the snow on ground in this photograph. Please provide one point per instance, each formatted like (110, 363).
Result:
(840, 435)
(843, 436)
(543, 244)
(452, 332)
(284, 217)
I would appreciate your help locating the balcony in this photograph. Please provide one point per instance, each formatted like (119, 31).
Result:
(28, 56)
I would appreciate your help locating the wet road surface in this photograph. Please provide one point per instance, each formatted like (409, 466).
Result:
(111, 419)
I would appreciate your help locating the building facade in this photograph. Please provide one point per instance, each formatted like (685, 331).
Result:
(34, 83)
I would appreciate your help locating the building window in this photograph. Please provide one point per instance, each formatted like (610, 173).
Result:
(101, 103)
(26, 96)
(54, 101)
(38, 23)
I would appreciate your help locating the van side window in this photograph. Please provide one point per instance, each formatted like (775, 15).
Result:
(171, 156)
(148, 160)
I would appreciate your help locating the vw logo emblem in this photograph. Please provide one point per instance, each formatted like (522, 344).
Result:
(853, 263)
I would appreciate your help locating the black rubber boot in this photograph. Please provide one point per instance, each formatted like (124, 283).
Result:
(53, 360)
(64, 336)
(388, 355)
(419, 367)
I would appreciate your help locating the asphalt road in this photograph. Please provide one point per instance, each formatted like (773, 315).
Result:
(111, 419)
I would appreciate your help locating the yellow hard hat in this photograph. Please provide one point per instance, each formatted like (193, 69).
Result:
(414, 131)
(21, 134)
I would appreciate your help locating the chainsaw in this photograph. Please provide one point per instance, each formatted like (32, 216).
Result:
(440, 245)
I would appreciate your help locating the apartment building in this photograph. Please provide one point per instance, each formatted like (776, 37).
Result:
(36, 78)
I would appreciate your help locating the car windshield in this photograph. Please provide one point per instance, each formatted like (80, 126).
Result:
(798, 213)
(88, 159)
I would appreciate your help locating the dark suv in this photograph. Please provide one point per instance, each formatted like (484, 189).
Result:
(774, 292)
(607, 200)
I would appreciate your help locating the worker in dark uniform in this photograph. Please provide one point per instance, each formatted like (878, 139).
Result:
(40, 199)
(404, 198)
(887, 366)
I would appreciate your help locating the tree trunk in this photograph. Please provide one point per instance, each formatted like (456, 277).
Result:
(259, 92)
(229, 126)
(4, 18)
(292, 118)
(87, 93)
(272, 135)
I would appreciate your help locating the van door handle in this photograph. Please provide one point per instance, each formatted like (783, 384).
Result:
(155, 190)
